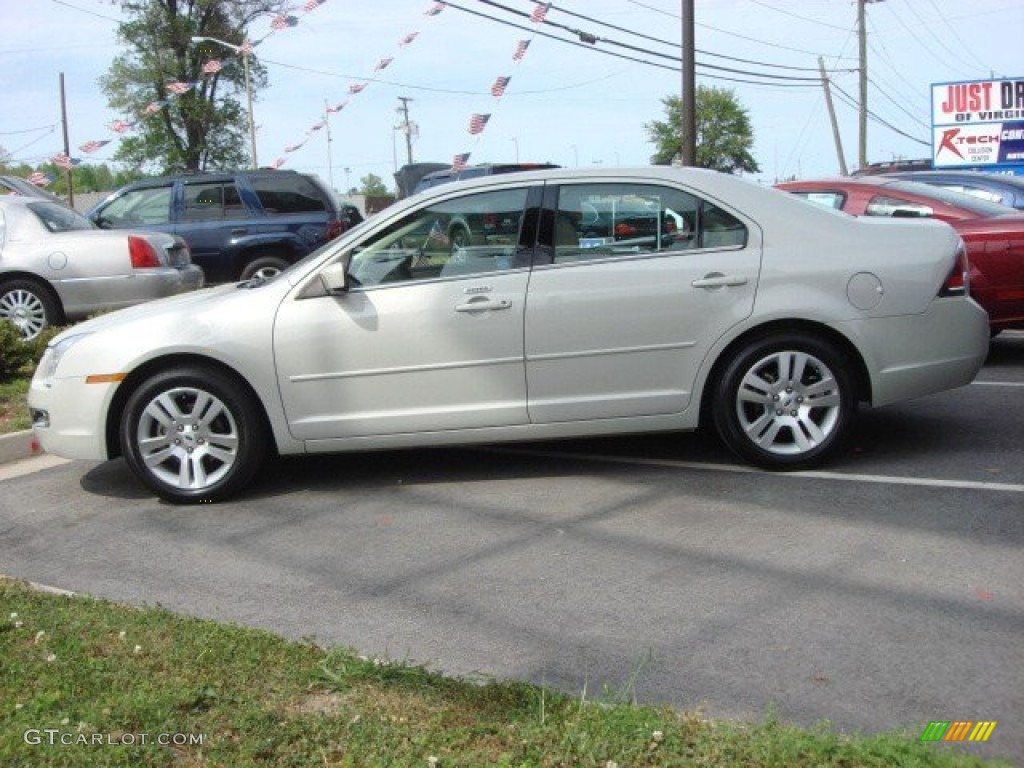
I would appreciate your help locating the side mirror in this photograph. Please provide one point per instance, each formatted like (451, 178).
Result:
(334, 277)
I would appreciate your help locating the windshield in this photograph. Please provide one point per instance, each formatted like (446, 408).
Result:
(952, 197)
(59, 218)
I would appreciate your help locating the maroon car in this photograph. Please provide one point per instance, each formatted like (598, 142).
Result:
(993, 233)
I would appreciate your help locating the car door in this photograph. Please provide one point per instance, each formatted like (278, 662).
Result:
(620, 320)
(427, 338)
(212, 214)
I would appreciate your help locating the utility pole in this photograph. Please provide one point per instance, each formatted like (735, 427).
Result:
(67, 145)
(689, 88)
(832, 117)
(406, 126)
(327, 128)
(862, 34)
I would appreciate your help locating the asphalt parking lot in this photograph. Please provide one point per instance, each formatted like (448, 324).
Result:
(881, 593)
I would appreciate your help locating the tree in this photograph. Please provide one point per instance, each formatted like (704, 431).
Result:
(204, 127)
(724, 134)
(373, 186)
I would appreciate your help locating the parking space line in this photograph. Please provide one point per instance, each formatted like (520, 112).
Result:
(999, 383)
(926, 482)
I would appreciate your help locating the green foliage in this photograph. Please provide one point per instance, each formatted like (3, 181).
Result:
(373, 186)
(205, 127)
(724, 133)
(241, 697)
(19, 357)
(16, 354)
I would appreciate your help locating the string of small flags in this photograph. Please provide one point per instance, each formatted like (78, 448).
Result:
(356, 88)
(478, 121)
(174, 88)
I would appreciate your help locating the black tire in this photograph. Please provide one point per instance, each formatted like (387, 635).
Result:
(264, 266)
(29, 305)
(193, 435)
(785, 401)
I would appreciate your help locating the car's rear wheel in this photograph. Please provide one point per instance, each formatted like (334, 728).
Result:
(785, 401)
(265, 267)
(193, 435)
(29, 305)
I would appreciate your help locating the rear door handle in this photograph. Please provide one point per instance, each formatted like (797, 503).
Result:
(718, 280)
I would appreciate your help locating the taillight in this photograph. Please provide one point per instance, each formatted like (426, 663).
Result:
(142, 252)
(334, 228)
(958, 282)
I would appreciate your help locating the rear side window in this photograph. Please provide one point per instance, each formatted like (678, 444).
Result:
(827, 198)
(597, 221)
(212, 201)
(288, 193)
(880, 205)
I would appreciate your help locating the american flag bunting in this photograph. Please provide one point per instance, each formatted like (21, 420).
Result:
(498, 89)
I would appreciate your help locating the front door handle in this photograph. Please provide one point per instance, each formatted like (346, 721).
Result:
(483, 304)
(718, 280)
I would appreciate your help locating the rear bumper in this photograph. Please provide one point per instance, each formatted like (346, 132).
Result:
(917, 355)
(81, 297)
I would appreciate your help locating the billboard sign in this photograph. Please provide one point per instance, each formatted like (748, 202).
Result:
(979, 124)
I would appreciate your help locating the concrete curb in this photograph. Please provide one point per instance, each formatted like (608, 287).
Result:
(19, 445)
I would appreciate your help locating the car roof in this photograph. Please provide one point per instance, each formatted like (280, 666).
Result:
(735, 192)
(995, 179)
(949, 197)
(209, 176)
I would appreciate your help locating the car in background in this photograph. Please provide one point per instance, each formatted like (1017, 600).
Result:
(994, 187)
(993, 233)
(238, 225)
(446, 175)
(772, 322)
(15, 185)
(55, 265)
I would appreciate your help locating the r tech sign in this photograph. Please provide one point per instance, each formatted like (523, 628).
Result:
(978, 123)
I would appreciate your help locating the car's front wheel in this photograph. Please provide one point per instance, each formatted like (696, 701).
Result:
(193, 435)
(264, 267)
(785, 401)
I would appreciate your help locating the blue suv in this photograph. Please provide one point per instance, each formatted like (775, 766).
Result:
(238, 225)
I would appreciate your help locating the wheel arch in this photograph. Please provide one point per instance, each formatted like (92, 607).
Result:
(116, 410)
(861, 377)
(42, 282)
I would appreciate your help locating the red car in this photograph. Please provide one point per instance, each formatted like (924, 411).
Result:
(993, 233)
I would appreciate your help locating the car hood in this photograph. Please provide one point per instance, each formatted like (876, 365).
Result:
(182, 307)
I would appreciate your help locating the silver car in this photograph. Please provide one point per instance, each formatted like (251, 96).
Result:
(724, 303)
(55, 265)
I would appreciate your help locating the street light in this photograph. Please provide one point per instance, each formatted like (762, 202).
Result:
(248, 88)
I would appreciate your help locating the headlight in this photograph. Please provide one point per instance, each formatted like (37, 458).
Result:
(53, 355)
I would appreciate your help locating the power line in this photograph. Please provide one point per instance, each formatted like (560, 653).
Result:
(786, 79)
(670, 43)
(851, 102)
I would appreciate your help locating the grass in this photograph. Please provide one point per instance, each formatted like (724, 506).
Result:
(104, 678)
(14, 414)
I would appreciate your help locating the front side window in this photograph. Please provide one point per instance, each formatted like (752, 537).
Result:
(602, 220)
(212, 201)
(137, 207)
(469, 235)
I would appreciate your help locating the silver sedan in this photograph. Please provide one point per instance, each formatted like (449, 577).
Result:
(697, 297)
(55, 265)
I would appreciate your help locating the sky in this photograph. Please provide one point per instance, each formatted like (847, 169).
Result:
(573, 105)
